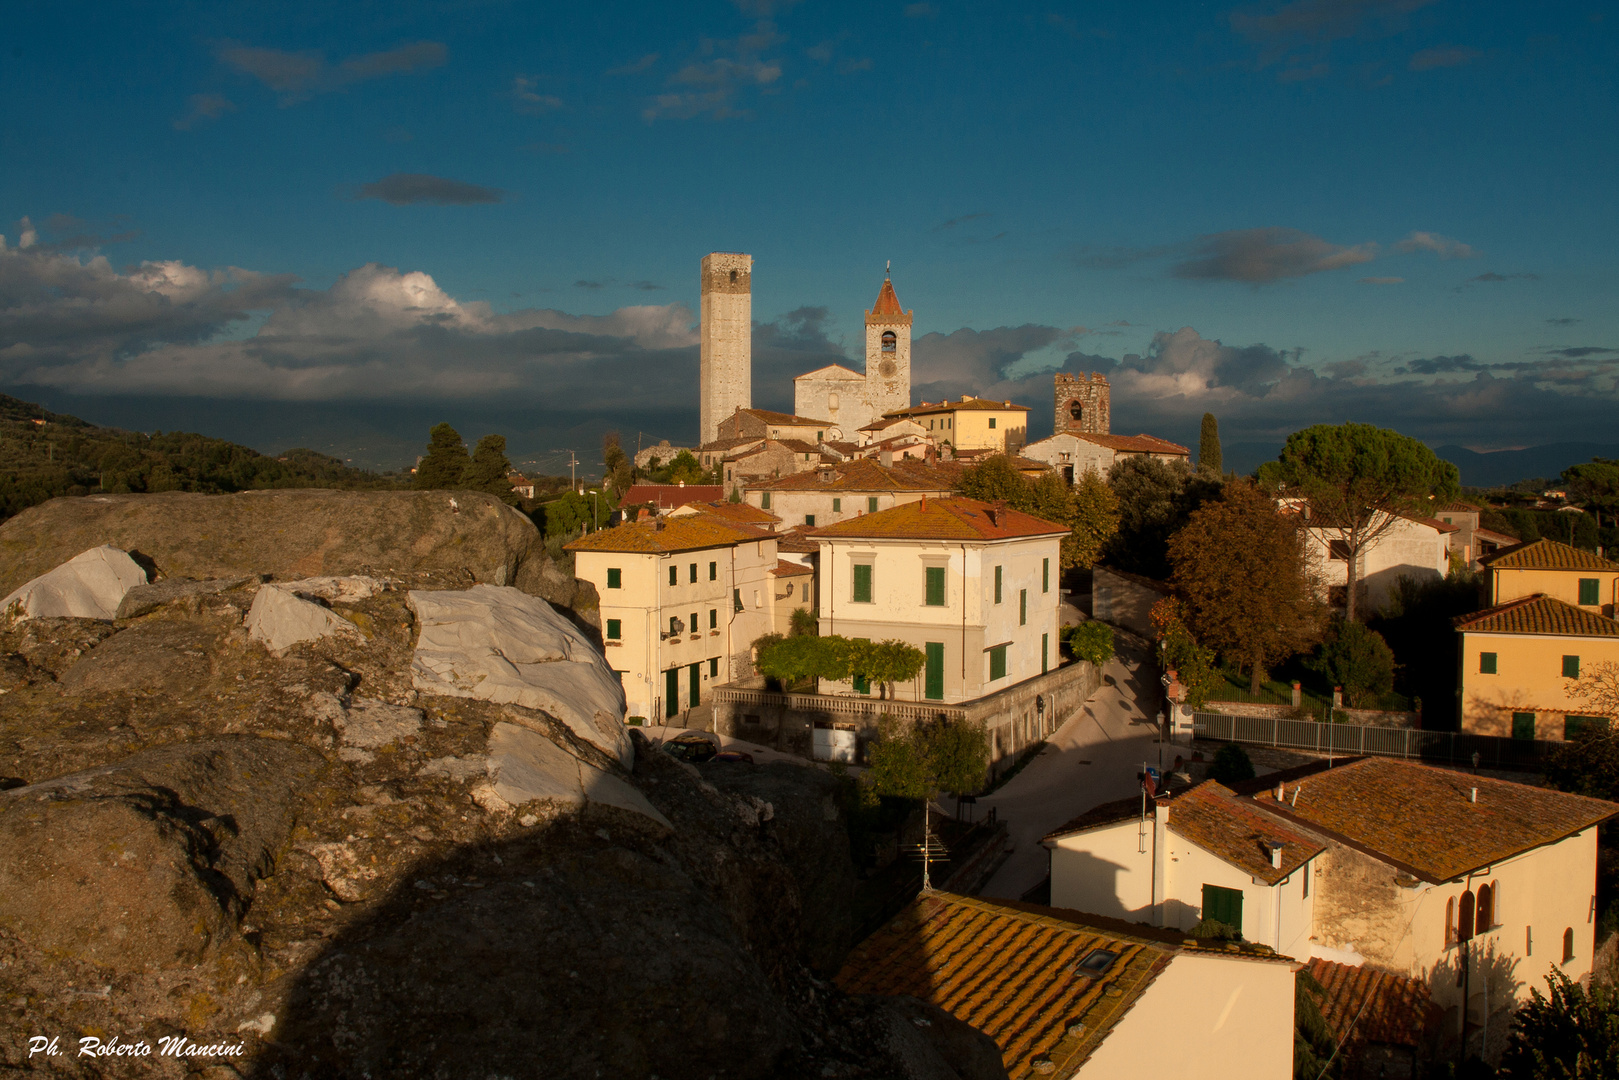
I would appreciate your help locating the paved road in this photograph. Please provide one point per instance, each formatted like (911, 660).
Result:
(1093, 758)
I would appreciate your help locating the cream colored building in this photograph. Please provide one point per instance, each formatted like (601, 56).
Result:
(974, 586)
(972, 423)
(829, 494)
(683, 598)
(1172, 862)
(849, 399)
(1072, 453)
(1417, 548)
(1518, 660)
(1546, 567)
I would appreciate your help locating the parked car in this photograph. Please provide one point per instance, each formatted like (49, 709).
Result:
(694, 746)
(734, 755)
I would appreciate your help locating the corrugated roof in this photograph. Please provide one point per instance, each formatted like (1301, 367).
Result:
(861, 474)
(686, 532)
(1421, 819)
(1538, 614)
(1216, 820)
(1547, 555)
(1364, 1005)
(943, 519)
(887, 302)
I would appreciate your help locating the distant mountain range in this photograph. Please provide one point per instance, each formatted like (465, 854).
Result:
(1496, 468)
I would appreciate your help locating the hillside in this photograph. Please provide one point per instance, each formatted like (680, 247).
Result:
(44, 455)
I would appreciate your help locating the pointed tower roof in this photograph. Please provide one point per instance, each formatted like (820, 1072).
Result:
(887, 302)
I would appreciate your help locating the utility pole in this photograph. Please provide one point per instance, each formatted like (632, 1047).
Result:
(573, 473)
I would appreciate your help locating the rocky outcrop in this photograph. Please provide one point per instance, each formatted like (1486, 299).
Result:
(90, 585)
(280, 619)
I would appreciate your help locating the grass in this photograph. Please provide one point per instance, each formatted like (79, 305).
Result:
(1278, 689)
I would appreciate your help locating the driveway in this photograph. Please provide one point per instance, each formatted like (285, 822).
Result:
(1093, 758)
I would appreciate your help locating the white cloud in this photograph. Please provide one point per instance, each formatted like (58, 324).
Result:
(1443, 246)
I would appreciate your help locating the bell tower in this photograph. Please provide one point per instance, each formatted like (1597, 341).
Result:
(1083, 404)
(888, 353)
(725, 375)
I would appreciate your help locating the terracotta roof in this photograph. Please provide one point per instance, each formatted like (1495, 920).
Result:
(669, 496)
(1216, 820)
(719, 445)
(799, 541)
(970, 404)
(860, 474)
(1364, 1005)
(887, 303)
(1547, 555)
(1131, 444)
(1433, 523)
(1456, 506)
(791, 569)
(842, 446)
(741, 512)
(783, 418)
(799, 446)
(883, 422)
(1108, 813)
(943, 519)
(1421, 819)
(682, 533)
(1494, 537)
(1538, 614)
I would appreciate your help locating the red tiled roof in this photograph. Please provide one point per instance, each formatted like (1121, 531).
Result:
(685, 532)
(860, 474)
(719, 445)
(1456, 506)
(791, 569)
(1433, 523)
(970, 404)
(943, 519)
(783, 418)
(1494, 537)
(741, 512)
(1131, 444)
(1547, 555)
(798, 541)
(1216, 820)
(1364, 1005)
(669, 496)
(1422, 819)
(1538, 614)
(887, 302)
(1108, 813)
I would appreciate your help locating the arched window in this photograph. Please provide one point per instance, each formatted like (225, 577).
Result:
(1450, 922)
(1076, 410)
(890, 341)
(1568, 945)
(1464, 920)
(1485, 916)
(733, 277)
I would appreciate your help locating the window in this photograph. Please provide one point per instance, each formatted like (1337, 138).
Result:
(1568, 945)
(714, 667)
(809, 519)
(1485, 910)
(933, 671)
(861, 593)
(890, 341)
(1023, 607)
(1076, 410)
(615, 578)
(1045, 575)
(674, 625)
(1306, 895)
(1223, 905)
(1450, 922)
(935, 586)
(1486, 663)
(1338, 550)
(736, 599)
(713, 571)
(1096, 962)
(614, 629)
(1573, 725)
(1464, 917)
(820, 436)
(997, 584)
(694, 623)
(862, 685)
(674, 574)
(694, 573)
(713, 618)
(837, 506)
(871, 504)
(1571, 667)
(764, 500)
(992, 423)
(997, 663)
(1523, 725)
(1590, 591)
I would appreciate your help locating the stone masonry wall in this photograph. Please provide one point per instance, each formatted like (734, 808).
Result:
(726, 366)
(1093, 396)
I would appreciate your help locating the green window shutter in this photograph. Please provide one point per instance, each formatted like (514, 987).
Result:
(997, 663)
(674, 574)
(1486, 663)
(933, 681)
(764, 500)
(1023, 607)
(992, 422)
(1523, 725)
(862, 685)
(837, 506)
(809, 519)
(614, 629)
(1590, 591)
(1223, 905)
(713, 618)
(1045, 575)
(1571, 667)
(871, 504)
(615, 578)
(714, 667)
(694, 573)
(997, 584)
(671, 691)
(696, 627)
(1573, 725)
(736, 599)
(935, 586)
(862, 583)
(1045, 652)
(696, 699)
(713, 571)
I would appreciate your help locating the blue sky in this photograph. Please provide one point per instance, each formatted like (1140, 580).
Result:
(327, 223)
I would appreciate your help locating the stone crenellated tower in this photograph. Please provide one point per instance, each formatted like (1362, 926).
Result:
(726, 367)
(1082, 404)
(888, 353)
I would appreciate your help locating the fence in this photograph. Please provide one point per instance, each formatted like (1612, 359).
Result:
(1452, 747)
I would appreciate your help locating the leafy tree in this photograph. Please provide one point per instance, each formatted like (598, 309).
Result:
(1096, 519)
(800, 657)
(565, 515)
(1573, 1034)
(914, 760)
(803, 621)
(489, 469)
(1155, 499)
(1089, 510)
(1595, 484)
(620, 470)
(888, 662)
(995, 478)
(1358, 480)
(1192, 663)
(1587, 764)
(683, 468)
(1208, 446)
(1240, 568)
(1598, 688)
(446, 462)
(1417, 622)
(1231, 765)
(1357, 659)
(1092, 641)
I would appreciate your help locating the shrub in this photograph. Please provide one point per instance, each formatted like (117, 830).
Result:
(1091, 641)
(1357, 659)
(1231, 765)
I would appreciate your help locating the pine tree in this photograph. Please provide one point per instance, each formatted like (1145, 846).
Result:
(489, 469)
(1208, 445)
(446, 460)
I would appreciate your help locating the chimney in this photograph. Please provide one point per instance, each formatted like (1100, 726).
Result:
(659, 525)
(683, 483)
(886, 459)
(1281, 792)
(997, 512)
(1474, 796)
(924, 503)
(1275, 855)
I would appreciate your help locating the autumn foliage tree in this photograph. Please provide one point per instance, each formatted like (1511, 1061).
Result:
(1089, 508)
(1240, 570)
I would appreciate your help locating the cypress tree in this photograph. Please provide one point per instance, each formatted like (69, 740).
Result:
(446, 460)
(489, 468)
(1208, 446)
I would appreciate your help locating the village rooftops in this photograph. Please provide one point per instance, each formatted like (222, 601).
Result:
(1131, 444)
(784, 419)
(685, 532)
(1456, 506)
(1538, 614)
(1363, 1004)
(864, 474)
(669, 496)
(738, 512)
(966, 404)
(1036, 980)
(1423, 819)
(1547, 555)
(943, 519)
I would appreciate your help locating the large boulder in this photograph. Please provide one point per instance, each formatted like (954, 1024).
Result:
(500, 645)
(292, 534)
(90, 585)
(524, 766)
(280, 619)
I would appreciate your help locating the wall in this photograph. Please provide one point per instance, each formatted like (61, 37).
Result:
(793, 505)
(1070, 456)
(1124, 600)
(1528, 678)
(836, 395)
(1564, 585)
(1106, 871)
(970, 430)
(888, 375)
(726, 341)
(1408, 549)
(1092, 394)
(1210, 1017)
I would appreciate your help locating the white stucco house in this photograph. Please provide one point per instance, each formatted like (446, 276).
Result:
(1072, 453)
(1412, 547)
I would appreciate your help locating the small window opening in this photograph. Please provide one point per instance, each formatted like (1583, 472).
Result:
(890, 341)
(1076, 410)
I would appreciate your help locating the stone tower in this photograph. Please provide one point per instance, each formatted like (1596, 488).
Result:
(888, 353)
(1082, 404)
(726, 375)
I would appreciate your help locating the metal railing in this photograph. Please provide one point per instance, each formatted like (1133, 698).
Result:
(1451, 747)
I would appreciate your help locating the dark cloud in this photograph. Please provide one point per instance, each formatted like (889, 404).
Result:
(1449, 56)
(1321, 21)
(1581, 351)
(401, 189)
(583, 284)
(297, 76)
(1492, 276)
(1262, 256)
(646, 286)
(1435, 365)
(1443, 246)
(712, 83)
(1562, 322)
(527, 99)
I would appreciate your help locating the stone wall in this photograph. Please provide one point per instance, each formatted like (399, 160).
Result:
(1092, 397)
(726, 351)
(888, 374)
(1368, 717)
(1125, 599)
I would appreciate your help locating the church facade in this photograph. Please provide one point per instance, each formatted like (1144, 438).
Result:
(849, 400)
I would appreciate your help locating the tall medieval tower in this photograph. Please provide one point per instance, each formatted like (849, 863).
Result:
(726, 373)
(1082, 404)
(888, 353)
